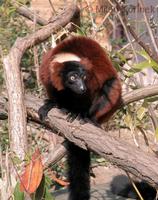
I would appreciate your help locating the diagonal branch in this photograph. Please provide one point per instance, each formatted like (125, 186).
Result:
(60, 150)
(87, 136)
(26, 12)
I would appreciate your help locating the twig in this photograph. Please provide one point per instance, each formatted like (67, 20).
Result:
(35, 52)
(140, 42)
(135, 187)
(55, 155)
(51, 4)
(105, 18)
(91, 16)
(134, 40)
(149, 28)
(121, 18)
(127, 35)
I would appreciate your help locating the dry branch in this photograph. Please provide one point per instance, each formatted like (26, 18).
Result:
(139, 94)
(118, 152)
(56, 155)
(17, 117)
(17, 113)
(59, 151)
(26, 12)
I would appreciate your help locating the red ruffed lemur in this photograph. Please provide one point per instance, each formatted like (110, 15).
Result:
(81, 80)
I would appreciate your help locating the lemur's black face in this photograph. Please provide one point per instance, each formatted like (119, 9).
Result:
(74, 77)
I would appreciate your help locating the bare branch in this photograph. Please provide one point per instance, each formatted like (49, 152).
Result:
(125, 156)
(139, 94)
(51, 4)
(126, 99)
(17, 114)
(56, 155)
(26, 12)
(118, 152)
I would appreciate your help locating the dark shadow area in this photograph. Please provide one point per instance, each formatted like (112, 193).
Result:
(121, 186)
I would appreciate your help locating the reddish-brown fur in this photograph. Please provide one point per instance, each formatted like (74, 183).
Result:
(95, 61)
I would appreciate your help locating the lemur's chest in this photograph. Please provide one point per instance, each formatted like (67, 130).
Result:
(77, 103)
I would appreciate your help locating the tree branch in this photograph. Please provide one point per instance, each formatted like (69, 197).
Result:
(26, 12)
(118, 152)
(139, 94)
(17, 116)
(59, 151)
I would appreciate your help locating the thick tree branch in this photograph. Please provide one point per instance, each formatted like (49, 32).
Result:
(17, 117)
(118, 152)
(69, 14)
(135, 95)
(126, 99)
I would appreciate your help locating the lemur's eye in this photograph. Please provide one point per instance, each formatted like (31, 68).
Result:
(72, 78)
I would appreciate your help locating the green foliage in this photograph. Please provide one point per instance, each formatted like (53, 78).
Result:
(118, 59)
(136, 116)
(11, 25)
(118, 42)
(148, 62)
(18, 195)
(97, 160)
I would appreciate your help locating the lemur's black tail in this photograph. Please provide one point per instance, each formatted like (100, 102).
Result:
(122, 187)
(78, 172)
